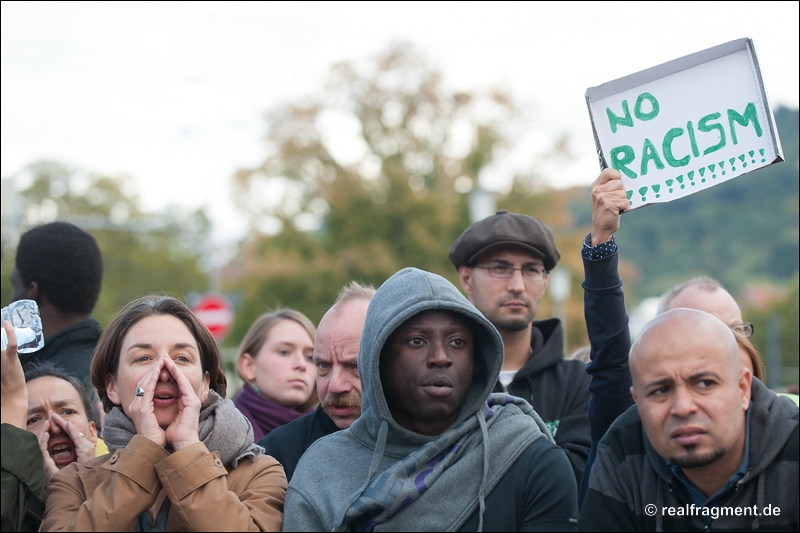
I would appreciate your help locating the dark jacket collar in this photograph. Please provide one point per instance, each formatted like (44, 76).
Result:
(87, 331)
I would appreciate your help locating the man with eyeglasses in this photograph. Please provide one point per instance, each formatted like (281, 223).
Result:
(503, 264)
(706, 294)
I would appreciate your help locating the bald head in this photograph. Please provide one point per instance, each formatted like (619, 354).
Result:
(706, 295)
(692, 393)
(674, 330)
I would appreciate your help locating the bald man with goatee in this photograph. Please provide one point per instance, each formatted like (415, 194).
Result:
(702, 438)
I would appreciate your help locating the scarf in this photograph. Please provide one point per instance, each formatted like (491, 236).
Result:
(497, 434)
(264, 414)
(222, 428)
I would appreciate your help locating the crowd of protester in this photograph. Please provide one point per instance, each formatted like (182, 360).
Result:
(414, 406)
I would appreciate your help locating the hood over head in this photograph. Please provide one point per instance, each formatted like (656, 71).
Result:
(406, 294)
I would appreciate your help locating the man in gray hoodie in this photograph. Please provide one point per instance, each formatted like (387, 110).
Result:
(434, 449)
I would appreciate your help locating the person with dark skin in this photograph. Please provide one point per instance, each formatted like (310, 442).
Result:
(60, 267)
(434, 449)
(426, 378)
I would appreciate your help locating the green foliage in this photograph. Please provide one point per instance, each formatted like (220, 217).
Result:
(742, 230)
(785, 311)
(142, 253)
(401, 202)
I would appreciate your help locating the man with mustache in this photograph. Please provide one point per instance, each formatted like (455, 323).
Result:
(338, 384)
(705, 447)
(503, 264)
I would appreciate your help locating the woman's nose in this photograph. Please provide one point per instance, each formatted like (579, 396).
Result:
(165, 374)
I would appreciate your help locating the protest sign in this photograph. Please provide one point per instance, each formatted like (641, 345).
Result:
(685, 125)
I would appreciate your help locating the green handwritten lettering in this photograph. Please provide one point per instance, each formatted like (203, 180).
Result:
(637, 109)
(649, 153)
(750, 115)
(692, 139)
(704, 126)
(666, 147)
(625, 120)
(621, 156)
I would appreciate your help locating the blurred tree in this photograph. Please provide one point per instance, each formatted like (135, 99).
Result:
(785, 310)
(371, 177)
(142, 252)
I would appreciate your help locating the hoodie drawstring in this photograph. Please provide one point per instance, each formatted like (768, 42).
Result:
(380, 447)
(482, 490)
(759, 499)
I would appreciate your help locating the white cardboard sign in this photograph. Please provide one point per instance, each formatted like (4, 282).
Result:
(685, 125)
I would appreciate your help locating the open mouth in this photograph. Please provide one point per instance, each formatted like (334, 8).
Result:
(164, 398)
(62, 453)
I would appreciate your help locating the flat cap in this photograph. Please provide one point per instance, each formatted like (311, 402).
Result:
(505, 228)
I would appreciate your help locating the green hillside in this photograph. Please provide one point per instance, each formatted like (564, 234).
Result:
(739, 232)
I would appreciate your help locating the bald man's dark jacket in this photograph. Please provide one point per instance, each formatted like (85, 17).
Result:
(629, 476)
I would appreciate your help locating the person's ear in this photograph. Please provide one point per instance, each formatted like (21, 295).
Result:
(633, 394)
(745, 383)
(111, 389)
(93, 432)
(33, 292)
(206, 386)
(465, 277)
(247, 367)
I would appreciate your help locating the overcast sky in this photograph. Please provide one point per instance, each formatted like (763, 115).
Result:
(174, 94)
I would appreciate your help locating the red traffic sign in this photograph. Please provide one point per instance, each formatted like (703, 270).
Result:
(215, 310)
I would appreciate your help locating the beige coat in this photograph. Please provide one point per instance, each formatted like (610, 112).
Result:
(110, 492)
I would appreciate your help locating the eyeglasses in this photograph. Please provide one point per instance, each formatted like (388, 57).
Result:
(530, 273)
(746, 328)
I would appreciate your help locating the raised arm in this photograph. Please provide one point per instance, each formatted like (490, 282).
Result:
(605, 313)
(22, 468)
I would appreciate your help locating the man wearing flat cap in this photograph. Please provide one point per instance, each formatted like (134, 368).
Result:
(503, 262)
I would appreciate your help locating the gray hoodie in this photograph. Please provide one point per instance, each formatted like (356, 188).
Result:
(379, 475)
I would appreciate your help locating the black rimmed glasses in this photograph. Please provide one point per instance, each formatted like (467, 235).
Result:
(745, 328)
(530, 273)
